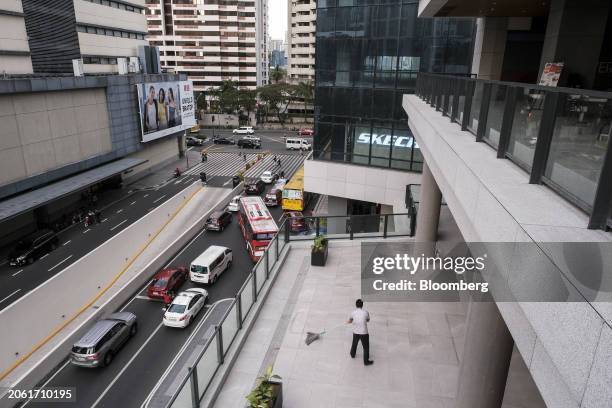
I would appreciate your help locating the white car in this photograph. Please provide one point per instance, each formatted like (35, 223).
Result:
(233, 205)
(268, 177)
(185, 307)
(244, 130)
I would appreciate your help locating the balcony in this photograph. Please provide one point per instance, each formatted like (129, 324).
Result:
(559, 136)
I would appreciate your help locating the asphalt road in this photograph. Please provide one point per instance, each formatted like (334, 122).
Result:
(77, 241)
(139, 365)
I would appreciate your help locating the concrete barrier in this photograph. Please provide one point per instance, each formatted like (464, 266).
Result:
(140, 248)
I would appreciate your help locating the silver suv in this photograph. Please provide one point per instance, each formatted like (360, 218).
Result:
(99, 345)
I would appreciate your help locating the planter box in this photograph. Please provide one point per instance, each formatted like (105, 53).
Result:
(318, 258)
(277, 389)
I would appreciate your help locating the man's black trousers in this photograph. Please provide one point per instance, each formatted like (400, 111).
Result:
(365, 342)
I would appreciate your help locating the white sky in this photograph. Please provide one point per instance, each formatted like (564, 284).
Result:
(277, 19)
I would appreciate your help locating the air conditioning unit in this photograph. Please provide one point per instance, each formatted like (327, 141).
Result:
(134, 66)
(77, 67)
(122, 66)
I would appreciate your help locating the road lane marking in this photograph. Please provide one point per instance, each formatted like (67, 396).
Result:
(15, 292)
(120, 211)
(182, 350)
(118, 225)
(4, 262)
(44, 256)
(61, 262)
(130, 191)
(125, 367)
(18, 272)
(145, 196)
(104, 220)
(142, 297)
(67, 242)
(160, 198)
(176, 182)
(133, 202)
(86, 231)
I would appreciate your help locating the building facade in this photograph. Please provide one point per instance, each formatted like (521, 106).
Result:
(98, 32)
(301, 28)
(212, 42)
(368, 57)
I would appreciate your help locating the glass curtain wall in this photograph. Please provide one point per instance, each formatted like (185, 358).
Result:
(368, 56)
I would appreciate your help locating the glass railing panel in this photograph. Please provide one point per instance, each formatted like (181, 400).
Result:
(526, 126)
(580, 139)
(462, 85)
(207, 366)
(475, 110)
(336, 227)
(367, 225)
(398, 225)
(184, 397)
(495, 115)
(229, 328)
(272, 255)
(246, 297)
(260, 271)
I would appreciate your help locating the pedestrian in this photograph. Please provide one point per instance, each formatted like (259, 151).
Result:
(98, 215)
(359, 319)
(244, 157)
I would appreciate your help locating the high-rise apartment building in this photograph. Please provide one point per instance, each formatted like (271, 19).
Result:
(212, 41)
(14, 48)
(301, 28)
(96, 31)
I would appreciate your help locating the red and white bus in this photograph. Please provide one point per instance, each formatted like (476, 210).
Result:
(257, 225)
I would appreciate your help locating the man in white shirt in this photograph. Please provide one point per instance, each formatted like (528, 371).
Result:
(360, 318)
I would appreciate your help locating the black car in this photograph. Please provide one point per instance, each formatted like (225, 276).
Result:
(33, 247)
(255, 187)
(194, 141)
(249, 144)
(218, 220)
(224, 140)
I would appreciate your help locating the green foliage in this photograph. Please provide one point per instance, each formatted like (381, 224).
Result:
(240, 174)
(276, 99)
(278, 75)
(319, 243)
(248, 166)
(261, 396)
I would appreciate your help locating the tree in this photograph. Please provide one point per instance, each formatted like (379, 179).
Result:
(276, 98)
(224, 99)
(247, 99)
(278, 75)
(305, 91)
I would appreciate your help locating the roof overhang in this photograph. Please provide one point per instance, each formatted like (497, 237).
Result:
(22, 203)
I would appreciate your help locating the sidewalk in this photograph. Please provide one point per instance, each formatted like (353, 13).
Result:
(415, 346)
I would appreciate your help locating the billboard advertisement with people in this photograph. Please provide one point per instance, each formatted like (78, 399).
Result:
(165, 108)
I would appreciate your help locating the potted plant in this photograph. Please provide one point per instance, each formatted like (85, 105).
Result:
(318, 253)
(268, 393)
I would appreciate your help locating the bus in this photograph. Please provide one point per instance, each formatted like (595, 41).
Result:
(294, 196)
(257, 225)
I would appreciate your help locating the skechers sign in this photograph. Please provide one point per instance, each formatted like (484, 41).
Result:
(387, 140)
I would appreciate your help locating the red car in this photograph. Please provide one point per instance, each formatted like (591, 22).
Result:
(306, 132)
(166, 284)
(297, 222)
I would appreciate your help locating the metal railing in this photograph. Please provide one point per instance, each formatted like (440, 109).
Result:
(193, 386)
(559, 136)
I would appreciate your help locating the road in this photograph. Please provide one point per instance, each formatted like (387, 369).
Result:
(139, 365)
(75, 242)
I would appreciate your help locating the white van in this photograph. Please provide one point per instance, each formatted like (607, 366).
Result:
(207, 267)
(293, 143)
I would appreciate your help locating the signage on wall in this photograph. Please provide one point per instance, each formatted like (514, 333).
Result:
(165, 108)
(387, 140)
(551, 74)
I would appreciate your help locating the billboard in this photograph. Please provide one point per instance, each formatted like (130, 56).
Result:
(165, 108)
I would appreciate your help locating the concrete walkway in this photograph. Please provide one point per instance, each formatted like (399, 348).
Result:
(415, 346)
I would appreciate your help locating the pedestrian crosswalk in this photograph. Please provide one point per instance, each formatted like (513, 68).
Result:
(229, 164)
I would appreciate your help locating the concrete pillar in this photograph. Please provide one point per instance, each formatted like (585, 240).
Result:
(336, 206)
(428, 214)
(486, 358)
(489, 47)
(575, 33)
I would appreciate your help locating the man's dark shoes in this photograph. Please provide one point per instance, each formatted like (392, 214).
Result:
(369, 362)
(352, 356)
